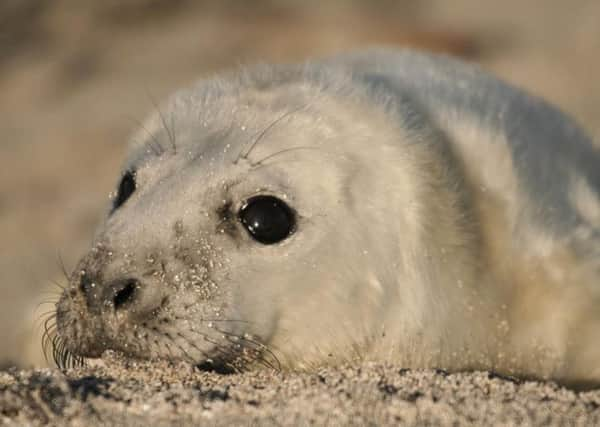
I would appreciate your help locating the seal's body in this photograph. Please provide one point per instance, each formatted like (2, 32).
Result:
(382, 205)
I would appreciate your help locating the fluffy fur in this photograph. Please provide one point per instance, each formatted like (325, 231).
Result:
(444, 219)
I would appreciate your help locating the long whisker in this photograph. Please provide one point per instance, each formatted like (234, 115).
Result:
(174, 134)
(54, 345)
(259, 346)
(227, 357)
(190, 359)
(244, 153)
(49, 333)
(57, 284)
(221, 349)
(204, 319)
(62, 266)
(154, 144)
(286, 150)
(45, 302)
(170, 132)
(191, 344)
(43, 318)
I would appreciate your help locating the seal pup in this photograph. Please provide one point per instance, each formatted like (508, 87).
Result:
(380, 205)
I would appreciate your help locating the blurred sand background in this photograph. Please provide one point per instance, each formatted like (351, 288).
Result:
(76, 76)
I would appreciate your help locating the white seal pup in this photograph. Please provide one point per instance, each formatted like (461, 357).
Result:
(383, 205)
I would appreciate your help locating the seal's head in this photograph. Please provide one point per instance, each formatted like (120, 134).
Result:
(284, 215)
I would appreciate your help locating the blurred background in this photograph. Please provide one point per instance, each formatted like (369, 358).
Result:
(76, 76)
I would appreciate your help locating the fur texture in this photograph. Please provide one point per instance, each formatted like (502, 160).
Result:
(444, 219)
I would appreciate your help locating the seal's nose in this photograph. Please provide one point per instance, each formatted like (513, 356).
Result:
(121, 292)
(118, 294)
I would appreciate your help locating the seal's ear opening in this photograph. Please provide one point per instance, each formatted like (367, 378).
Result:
(268, 219)
(126, 188)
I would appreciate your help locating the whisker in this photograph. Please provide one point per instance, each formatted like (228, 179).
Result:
(49, 321)
(285, 150)
(192, 345)
(49, 324)
(62, 267)
(174, 134)
(225, 354)
(42, 319)
(47, 337)
(166, 344)
(260, 352)
(154, 144)
(54, 345)
(222, 349)
(58, 354)
(57, 284)
(225, 320)
(45, 302)
(259, 346)
(244, 153)
(170, 132)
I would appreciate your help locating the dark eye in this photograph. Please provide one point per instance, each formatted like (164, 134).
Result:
(268, 219)
(126, 189)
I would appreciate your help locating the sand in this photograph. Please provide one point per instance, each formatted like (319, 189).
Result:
(161, 394)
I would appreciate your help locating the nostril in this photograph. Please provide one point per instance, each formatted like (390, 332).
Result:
(124, 293)
(85, 283)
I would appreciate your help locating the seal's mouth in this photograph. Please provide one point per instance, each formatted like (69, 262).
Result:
(170, 331)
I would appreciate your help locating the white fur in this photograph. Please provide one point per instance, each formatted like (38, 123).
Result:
(437, 221)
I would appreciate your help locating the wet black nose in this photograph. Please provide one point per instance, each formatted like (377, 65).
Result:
(118, 294)
(121, 292)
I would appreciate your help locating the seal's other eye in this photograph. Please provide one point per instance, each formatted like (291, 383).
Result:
(268, 219)
(126, 189)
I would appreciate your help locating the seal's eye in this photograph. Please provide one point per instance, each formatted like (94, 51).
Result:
(126, 189)
(267, 219)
